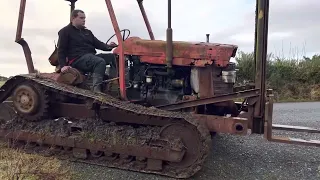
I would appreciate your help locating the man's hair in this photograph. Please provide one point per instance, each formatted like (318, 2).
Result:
(75, 12)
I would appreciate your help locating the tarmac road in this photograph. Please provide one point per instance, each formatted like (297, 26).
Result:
(252, 157)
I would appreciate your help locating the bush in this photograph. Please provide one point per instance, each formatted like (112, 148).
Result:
(291, 79)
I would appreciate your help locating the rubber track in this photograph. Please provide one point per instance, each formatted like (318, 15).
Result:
(63, 89)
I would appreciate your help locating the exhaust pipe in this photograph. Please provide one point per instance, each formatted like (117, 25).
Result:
(169, 52)
(207, 38)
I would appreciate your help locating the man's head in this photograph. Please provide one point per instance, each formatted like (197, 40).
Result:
(78, 18)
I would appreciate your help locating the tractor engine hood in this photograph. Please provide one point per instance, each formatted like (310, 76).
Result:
(184, 53)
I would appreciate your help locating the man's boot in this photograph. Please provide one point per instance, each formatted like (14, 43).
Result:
(97, 80)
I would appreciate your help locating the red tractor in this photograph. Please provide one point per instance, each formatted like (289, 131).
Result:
(161, 102)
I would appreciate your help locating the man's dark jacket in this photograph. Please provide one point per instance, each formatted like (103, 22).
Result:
(74, 42)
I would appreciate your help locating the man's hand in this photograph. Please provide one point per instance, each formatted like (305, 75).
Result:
(65, 68)
(113, 44)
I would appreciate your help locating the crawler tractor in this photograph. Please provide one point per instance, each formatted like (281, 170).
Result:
(161, 102)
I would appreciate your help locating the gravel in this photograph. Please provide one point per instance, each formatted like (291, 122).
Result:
(249, 157)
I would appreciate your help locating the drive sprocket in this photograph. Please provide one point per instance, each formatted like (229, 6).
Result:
(190, 138)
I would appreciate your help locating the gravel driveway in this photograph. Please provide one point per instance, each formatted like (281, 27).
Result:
(251, 157)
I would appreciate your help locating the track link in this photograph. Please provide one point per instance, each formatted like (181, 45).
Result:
(183, 125)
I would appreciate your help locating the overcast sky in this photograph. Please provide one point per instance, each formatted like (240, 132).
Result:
(293, 31)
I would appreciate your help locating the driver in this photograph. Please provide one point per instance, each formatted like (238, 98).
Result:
(76, 48)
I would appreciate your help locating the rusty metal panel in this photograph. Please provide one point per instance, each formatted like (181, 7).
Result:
(155, 50)
(206, 82)
(220, 124)
(210, 100)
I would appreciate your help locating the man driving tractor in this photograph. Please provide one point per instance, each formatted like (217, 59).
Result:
(76, 48)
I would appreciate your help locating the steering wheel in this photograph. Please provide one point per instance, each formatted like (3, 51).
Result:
(124, 32)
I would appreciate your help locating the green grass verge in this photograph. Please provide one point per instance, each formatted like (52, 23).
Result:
(15, 164)
(1, 83)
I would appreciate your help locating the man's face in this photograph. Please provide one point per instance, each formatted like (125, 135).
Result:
(80, 20)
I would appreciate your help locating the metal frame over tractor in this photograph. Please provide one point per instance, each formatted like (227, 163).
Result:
(161, 102)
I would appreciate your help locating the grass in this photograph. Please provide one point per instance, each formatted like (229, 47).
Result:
(15, 164)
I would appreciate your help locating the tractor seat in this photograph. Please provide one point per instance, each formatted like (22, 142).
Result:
(71, 77)
(53, 59)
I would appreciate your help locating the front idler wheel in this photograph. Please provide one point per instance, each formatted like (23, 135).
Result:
(30, 101)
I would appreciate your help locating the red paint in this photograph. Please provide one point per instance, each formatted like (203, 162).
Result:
(184, 53)
(154, 51)
(120, 50)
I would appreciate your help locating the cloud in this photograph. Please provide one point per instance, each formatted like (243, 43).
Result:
(293, 27)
